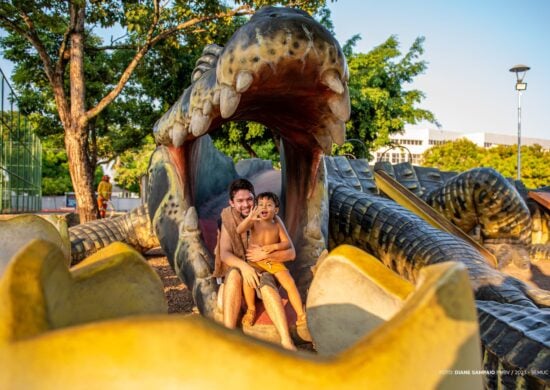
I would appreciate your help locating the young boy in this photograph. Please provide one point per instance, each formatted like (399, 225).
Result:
(269, 232)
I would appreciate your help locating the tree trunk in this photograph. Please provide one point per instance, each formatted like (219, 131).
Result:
(76, 134)
(81, 173)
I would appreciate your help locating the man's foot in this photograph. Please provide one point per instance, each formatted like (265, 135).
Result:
(249, 317)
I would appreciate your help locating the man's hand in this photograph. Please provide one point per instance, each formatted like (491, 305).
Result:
(256, 253)
(250, 276)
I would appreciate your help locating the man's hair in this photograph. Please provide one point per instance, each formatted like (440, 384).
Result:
(240, 184)
(270, 196)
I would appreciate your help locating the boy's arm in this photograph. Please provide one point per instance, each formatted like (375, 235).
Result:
(248, 222)
(284, 240)
(257, 253)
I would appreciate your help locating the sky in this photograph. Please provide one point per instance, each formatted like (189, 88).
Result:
(469, 47)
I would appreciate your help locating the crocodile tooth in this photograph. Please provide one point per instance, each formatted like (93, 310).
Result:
(324, 141)
(244, 80)
(229, 100)
(337, 129)
(340, 105)
(216, 97)
(190, 221)
(178, 134)
(207, 108)
(199, 123)
(332, 80)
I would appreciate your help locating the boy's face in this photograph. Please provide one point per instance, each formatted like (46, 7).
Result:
(242, 202)
(267, 208)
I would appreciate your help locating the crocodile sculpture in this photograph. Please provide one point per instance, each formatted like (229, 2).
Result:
(284, 70)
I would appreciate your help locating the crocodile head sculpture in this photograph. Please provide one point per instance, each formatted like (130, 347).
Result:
(283, 70)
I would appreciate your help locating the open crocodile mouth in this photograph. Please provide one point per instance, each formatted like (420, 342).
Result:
(283, 70)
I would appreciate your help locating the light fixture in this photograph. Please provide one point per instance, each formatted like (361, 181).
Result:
(520, 71)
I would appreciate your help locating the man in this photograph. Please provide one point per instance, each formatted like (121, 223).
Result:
(233, 252)
(104, 190)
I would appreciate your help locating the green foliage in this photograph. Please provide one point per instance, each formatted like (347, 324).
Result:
(153, 86)
(55, 168)
(380, 105)
(241, 140)
(463, 154)
(457, 156)
(132, 165)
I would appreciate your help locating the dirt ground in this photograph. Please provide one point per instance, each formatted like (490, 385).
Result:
(177, 294)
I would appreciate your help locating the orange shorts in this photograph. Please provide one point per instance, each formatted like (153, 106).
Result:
(267, 265)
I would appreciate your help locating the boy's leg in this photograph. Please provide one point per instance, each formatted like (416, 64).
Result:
(289, 285)
(232, 298)
(275, 310)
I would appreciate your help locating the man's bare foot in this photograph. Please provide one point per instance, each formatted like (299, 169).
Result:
(288, 344)
(249, 317)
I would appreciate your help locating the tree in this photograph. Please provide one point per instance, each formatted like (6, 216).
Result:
(456, 156)
(380, 105)
(535, 163)
(463, 154)
(132, 165)
(58, 36)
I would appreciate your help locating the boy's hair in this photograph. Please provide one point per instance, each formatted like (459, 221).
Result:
(240, 184)
(269, 195)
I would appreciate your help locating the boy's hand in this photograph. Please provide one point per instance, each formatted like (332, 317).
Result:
(254, 214)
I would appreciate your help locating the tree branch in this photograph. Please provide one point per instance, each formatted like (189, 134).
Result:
(54, 79)
(38, 45)
(150, 42)
(111, 47)
(62, 61)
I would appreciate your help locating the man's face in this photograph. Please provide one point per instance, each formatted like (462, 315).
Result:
(243, 200)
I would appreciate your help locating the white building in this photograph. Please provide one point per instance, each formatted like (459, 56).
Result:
(415, 140)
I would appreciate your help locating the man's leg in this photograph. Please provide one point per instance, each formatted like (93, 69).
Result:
(232, 298)
(275, 310)
(100, 205)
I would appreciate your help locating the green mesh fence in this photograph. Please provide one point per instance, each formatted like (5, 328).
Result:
(20, 158)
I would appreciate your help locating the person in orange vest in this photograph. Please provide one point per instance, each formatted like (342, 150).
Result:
(104, 190)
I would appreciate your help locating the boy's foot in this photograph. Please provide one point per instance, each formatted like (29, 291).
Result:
(288, 344)
(301, 328)
(249, 317)
(301, 320)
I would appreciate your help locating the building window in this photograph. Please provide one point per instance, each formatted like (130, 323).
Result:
(406, 141)
(437, 142)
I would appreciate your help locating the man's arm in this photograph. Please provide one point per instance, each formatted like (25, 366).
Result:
(227, 256)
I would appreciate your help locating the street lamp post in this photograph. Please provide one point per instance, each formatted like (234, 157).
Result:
(520, 71)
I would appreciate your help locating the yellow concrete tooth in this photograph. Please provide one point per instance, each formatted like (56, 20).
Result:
(433, 331)
(39, 293)
(17, 231)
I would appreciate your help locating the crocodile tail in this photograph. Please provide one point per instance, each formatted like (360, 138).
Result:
(133, 228)
(515, 346)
